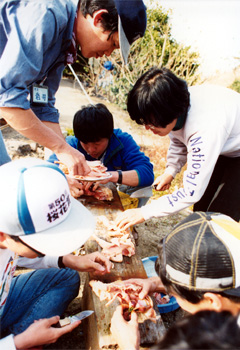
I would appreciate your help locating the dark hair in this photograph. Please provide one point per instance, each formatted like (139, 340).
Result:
(203, 330)
(93, 123)
(18, 239)
(109, 19)
(157, 98)
(192, 296)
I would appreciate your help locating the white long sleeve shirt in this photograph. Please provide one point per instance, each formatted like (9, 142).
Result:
(212, 128)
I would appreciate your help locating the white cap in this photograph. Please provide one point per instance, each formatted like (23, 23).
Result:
(36, 205)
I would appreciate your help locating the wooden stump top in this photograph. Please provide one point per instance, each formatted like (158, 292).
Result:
(98, 335)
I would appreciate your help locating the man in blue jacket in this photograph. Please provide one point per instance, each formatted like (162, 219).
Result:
(96, 138)
(38, 38)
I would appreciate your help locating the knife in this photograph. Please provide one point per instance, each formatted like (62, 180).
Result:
(142, 192)
(70, 319)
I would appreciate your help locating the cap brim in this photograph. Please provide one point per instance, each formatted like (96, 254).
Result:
(123, 41)
(66, 237)
(235, 292)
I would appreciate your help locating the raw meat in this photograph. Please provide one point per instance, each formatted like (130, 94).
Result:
(128, 295)
(112, 229)
(102, 193)
(98, 170)
(117, 247)
(161, 299)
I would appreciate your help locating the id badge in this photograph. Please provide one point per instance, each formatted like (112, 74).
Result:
(39, 94)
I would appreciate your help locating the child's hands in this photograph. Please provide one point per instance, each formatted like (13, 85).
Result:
(163, 182)
(95, 262)
(41, 332)
(126, 333)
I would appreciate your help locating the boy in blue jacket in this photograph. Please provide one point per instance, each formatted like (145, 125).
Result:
(96, 138)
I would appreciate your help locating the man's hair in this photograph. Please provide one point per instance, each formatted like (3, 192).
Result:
(93, 123)
(109, 19)
(157, 98)
(192, 296)
(203, 330)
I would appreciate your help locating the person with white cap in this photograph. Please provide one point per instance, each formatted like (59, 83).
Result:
(33, 55)
(198, 263)
(43, 224)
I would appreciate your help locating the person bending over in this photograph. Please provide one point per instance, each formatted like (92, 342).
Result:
(43, 224)
(96, 138)
(33, 55)
(198, 263)
(203, 123)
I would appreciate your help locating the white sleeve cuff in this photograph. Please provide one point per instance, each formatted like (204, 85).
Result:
(7, 343)
(39, 263)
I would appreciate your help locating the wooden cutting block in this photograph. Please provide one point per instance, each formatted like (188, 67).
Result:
(97, 327)
(100, 207)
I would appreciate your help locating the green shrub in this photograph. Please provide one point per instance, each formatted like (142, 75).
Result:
(235, 85)
(156, 48)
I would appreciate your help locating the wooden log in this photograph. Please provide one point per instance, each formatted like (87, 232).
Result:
(97, 331)
(97, 326)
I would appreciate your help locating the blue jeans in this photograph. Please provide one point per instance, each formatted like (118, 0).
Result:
(4, 157)
(38, 294)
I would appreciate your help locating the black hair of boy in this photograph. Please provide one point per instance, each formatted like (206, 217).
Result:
(109, 19)
(192, 296)
(93, 123)
(203, 330)
(157, 98)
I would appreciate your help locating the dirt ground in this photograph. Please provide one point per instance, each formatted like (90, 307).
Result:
(69, 100)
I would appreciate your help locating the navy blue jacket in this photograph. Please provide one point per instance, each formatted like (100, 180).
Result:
(122, 153)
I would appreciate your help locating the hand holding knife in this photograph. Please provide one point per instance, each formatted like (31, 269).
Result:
(70, 319)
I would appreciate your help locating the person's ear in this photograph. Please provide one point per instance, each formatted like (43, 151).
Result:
(213, 301)
(2, 237)
(97, 17)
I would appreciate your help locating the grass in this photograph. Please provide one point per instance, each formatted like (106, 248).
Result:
(158, 156)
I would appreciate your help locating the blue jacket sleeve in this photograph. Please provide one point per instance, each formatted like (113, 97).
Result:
(33, 50)
(133, 159)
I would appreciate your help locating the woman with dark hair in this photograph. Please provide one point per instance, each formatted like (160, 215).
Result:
(203, 123)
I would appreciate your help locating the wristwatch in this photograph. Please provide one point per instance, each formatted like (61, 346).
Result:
(60, 263)
(119, 181)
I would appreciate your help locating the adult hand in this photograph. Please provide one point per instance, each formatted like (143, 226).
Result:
(48, 135)
(94, 262)
(148, 285)
(126, 333)
(76, 187)
(41, 332)
(163, 182)
(92, 186)
(74, 160)
(129, 218)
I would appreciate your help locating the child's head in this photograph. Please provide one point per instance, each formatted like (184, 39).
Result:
(204, 330)
(198, 262)
(157, 98)
(93, 123)
(37, 209)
